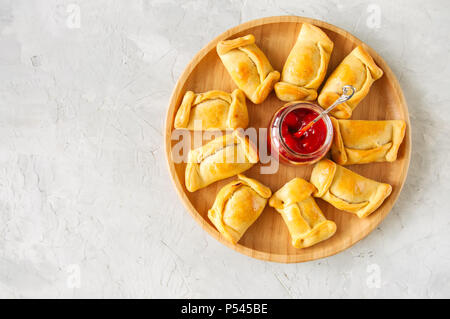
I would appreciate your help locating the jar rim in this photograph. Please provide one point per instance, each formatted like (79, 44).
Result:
(316, 108)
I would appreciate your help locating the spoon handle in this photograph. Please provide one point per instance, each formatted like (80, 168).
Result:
(347, 93)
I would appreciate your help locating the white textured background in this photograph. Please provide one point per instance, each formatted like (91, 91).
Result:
(87, 208)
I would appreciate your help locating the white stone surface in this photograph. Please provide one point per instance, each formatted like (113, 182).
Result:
(87, 208)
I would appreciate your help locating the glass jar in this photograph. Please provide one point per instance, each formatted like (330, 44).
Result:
(307, 149)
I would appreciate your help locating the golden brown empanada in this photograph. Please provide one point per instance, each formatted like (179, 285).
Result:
(237, 206)
(357, 69)
(304, 219)
(306, 65)
(347, 190)
(359, 142)
(214, 109)
(248, 67)
(221, 158)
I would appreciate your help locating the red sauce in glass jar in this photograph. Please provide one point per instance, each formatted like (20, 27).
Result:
(285, 141)
(311, 140)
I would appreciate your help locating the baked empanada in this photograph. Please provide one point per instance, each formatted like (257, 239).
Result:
(359, 142)
(304, 219)
(237, 206)
(306, 65)
(213, 109)
(248, 67)
(221, 158)
(347, 190)
(357, 69)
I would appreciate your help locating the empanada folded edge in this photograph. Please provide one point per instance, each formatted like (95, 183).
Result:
(338, 152)
(346, 156)
(294, 202)
(238, 113)
(265, 87)
(328, 97)
(322, 178)
(193, 179)
(215, 213)
(182, 117)
(375, 71)
(267, 75)
(383, 192)
(237, 116)
(319, 233)
(398, 136)
(289, 91)
(226, 46)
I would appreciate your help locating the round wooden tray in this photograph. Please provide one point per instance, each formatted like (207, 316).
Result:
(268, 238)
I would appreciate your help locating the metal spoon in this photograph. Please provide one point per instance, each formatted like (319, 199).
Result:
(347, 93)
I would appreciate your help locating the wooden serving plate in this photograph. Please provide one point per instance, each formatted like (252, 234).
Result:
(268, 238)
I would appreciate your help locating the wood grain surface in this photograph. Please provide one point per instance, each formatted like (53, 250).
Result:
(268, 238)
